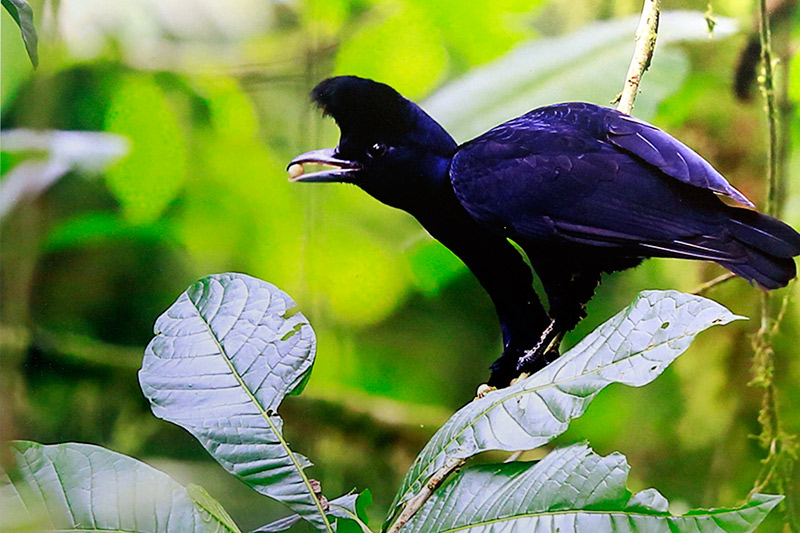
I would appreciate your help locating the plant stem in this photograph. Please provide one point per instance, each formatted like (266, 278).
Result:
(703, 287)
(768, 88)
(782, 446)
(646, 34)
(414, 504)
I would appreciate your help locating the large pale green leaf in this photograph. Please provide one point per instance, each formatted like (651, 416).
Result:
(224, 356)
(588, 65)
(633, 348)
(22, 14)
(571, 489)
(81, 487)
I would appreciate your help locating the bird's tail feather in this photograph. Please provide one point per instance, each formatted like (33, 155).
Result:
(769, 247)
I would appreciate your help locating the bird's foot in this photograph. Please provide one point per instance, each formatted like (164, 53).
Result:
(483, 390)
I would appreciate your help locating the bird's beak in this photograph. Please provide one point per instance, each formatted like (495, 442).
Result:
(343, 171)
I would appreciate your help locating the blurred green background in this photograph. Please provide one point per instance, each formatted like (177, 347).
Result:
(203, 103)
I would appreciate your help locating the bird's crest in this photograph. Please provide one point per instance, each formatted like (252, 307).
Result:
(364, 107)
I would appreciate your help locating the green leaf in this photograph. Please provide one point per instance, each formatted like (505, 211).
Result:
(224, 356)
(22, 14)
(150, 177)
(205, 501)
(588, 65)
(571, 489)
(372, 50)
(500, 23)
(633, 348)
(350, 510)
(95, 228)
(81, 487)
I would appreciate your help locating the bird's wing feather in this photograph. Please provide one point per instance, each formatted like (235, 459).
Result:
(668, 154)
(554, 175)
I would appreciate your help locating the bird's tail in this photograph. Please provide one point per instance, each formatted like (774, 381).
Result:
(769, 247)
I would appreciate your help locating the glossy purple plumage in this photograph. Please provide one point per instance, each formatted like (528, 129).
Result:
(581, 188)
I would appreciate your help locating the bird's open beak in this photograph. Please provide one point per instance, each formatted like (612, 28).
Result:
(343, 171)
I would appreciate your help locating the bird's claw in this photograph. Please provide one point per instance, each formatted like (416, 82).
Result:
(483, 390)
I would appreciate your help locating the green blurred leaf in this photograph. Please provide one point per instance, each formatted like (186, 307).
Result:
(205, 501)
(150, 177)
(22, 14)
(81, 487)
(571, 489)
(16, 69)
(361, 286)
(400, 45)
(588, 65)
(224, 356)
(434, 266)
(633, 348)
(475, 32)
(324, 18)
(98, 228)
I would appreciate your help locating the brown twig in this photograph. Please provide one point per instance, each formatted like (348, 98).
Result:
(414, 504)
(646, 34)
(722, 278)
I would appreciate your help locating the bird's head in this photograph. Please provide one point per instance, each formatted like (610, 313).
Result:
(388, 146)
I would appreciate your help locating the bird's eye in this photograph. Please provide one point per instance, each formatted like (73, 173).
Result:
(376, 150)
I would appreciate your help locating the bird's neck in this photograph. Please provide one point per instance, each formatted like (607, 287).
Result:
(496, 264)
(418, 190)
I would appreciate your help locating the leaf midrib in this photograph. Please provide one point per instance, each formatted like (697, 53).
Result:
(264, 415)
(710, 514)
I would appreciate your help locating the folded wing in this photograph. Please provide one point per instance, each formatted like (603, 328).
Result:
(583, 175)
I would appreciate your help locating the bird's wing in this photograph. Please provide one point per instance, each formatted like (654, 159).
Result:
(588, 175)
(668, 154)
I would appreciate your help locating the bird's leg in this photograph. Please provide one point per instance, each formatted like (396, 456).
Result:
(568, 290)
(544, 352)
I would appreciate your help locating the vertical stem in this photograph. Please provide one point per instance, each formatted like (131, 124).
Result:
(646, 34)
(768, 88)
(782, 446)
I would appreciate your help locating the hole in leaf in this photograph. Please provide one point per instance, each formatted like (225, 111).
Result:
(289, 334)
(290, 312)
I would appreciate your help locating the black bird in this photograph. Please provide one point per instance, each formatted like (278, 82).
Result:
(582, 189)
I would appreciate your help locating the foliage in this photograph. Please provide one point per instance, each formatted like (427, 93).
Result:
(231, 347)
(551, 70)
(80, 487)
(633, 348)
(406, 332)
(224, 356)
(22, 14)
(571, 489)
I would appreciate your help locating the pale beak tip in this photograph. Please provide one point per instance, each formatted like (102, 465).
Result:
(295, 171)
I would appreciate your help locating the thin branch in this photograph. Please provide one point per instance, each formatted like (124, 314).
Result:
(646, 34)
(703, 287)
(414, 504)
